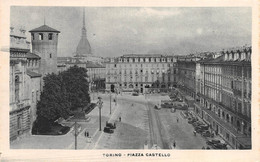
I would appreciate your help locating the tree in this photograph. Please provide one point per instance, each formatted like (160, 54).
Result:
(77, 87)
(53, 103)
(61, 94)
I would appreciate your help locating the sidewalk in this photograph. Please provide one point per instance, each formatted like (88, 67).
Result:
(67, 141)
(94, 132)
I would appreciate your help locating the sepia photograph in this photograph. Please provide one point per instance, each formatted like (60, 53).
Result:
(130, 78)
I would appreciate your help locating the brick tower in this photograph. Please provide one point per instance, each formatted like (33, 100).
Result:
(44, 44)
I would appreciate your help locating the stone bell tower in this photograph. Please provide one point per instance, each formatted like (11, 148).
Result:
(44, 43)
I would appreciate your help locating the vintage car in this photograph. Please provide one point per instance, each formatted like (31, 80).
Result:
(191, 120)
(212, 142)
(206, 134)
(111, 126)
(167, 105)
(216, 144)
(197, 123)
(220, 146)
(108, 130)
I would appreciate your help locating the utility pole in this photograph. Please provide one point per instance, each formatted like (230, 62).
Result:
(110, 102)
(76, 134)
(116, 97)
(100, 104)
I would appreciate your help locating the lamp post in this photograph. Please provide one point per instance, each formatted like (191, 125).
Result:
(100, 104)
(92, 87)
(110, 102)
(116, 98)
(76, 134)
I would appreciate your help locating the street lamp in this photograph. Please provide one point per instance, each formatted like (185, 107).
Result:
(92, 87)
(110, 101)
(76, 134)
(100, 105)
(116, 97)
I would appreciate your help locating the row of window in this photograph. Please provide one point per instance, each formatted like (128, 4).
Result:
(40, 36)
(137, 65)
(145, 59)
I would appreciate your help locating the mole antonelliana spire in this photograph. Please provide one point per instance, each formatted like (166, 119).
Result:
(83, 48)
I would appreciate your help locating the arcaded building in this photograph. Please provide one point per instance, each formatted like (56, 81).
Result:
(140, 71)
(225, 96)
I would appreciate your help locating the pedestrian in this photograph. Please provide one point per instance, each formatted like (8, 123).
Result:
(119, 118)
(203, 148)
(115, 125)
(87, 134)
(174, 144)
(194, 132)
(177, 120)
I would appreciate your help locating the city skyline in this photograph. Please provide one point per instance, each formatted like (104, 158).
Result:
(111, 31)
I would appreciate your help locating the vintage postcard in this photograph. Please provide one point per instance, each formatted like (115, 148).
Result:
(129, 80)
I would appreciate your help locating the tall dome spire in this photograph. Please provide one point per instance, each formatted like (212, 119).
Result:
(83, 48)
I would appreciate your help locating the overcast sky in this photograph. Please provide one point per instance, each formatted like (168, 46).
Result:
(117, 31)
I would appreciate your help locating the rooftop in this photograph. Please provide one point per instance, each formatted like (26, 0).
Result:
(33, 74)
(145, 55)
(44, 28)
(32, 55)
(91, 64)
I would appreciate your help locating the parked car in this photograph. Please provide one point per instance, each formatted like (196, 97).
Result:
(197, 123)
(200, 129)
(108, 130)
(167, 105)
(206, 134)
(110, 125)
(135, 94)
(173, 99)
(204, 126)
(212, 142)
(191, 120)
(220, 146)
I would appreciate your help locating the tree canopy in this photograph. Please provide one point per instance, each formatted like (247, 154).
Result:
(63, 93)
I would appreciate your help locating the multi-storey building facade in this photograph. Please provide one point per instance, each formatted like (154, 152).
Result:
(186, 75)
(24, 84)
(225, 96)
(139, 71)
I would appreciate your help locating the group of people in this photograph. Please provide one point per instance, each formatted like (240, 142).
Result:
(86, 134)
